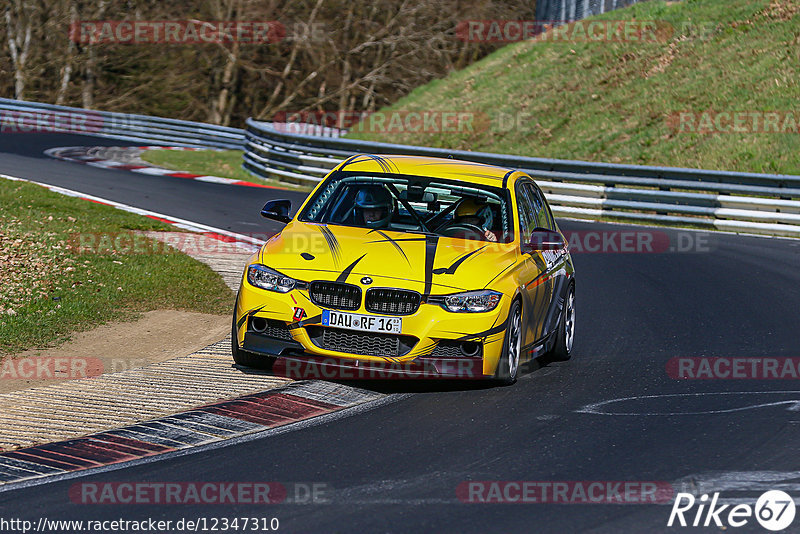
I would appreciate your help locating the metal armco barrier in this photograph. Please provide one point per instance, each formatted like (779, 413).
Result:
(731, 201)
(17, 116)
(569, 10)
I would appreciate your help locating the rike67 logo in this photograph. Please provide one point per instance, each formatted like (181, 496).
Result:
(774, 510)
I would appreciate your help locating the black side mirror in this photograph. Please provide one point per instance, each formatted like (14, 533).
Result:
(277, 210)
(544, 239)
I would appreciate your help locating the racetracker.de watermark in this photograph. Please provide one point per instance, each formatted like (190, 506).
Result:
(560, 31)
(338, 369)
(136, 242)
(395, 122)
(50, 121)
(564, 492)
(733, 368)
(386, 122)
(213, 493)
(142, 32)
(578, 242)
(50, 368)
(177, 493)
(65, 367)
(734, 122)
(638, 242)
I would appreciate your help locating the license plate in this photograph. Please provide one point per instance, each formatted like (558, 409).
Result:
(365, 323)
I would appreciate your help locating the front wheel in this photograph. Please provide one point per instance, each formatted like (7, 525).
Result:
(508, 366)
(565, 336)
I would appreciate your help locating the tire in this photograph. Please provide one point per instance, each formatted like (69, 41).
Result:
(248, 359)
(508, 366)
(565, 336)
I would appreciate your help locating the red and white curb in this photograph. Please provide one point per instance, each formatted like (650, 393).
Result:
(82, 155)
(206, 425)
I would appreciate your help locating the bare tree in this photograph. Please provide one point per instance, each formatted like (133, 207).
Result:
(19, 25)
(66, 70)
(88, 90)
(353, 55)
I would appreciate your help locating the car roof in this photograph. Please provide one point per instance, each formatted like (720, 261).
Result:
(449, 169)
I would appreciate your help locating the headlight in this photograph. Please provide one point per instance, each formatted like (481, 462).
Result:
(262, 276)
(472, 301)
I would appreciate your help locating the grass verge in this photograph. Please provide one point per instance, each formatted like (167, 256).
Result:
(618, 101)
(48, 289)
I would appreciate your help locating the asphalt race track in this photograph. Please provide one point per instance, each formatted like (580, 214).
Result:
(396, 468)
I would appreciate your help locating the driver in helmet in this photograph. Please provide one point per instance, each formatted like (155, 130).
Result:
(373, 205)
(471, 212)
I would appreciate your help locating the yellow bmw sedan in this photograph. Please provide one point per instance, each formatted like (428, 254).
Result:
(406, 266)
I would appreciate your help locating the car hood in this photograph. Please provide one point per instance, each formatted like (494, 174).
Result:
(426, 263)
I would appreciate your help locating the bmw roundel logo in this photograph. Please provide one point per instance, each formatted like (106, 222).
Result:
(366, 280)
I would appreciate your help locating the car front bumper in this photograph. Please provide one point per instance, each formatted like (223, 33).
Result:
(430, 325)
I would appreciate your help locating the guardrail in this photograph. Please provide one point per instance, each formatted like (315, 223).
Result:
(569, 10)
(731, 201)
(21, 116)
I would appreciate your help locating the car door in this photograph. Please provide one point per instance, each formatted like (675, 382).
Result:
(554, 261)
(536, 288)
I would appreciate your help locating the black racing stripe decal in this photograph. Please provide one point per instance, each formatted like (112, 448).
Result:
(478, 175)
(333, 244)
(311, 320)
(382, 162)
(505, 179)
(535, 311)
(358, 158)
(398, 240)
(465, 162)
(348, 161)
(427, 350)
(243, 318)
(452, 269)
(507, 267)
(394, 243)
(431, 242)
(385, 165)
(493, 330)
(344, 274)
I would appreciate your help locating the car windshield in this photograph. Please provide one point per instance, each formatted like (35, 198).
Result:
(412, 204)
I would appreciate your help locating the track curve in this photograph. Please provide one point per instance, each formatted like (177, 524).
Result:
(396, 468)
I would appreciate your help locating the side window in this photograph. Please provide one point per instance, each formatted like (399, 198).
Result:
(551, 218)
(527, 212)
(543, 218)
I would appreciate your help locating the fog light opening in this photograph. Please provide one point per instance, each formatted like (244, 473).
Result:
(258, 324)
(470, 349)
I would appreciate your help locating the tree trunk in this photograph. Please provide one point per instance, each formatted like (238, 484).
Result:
(87, 92)
(66, 71)
(19, 46)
